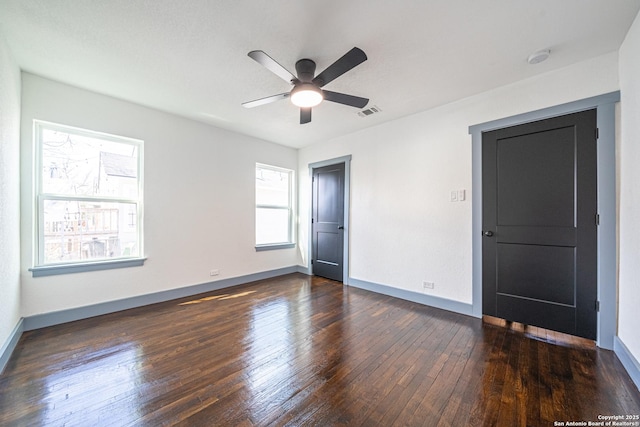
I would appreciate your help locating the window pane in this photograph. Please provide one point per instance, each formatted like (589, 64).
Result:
(272, 226)
(80, 165)
(272, 187)
(83, 231)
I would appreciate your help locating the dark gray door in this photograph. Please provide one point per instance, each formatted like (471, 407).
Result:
(327, 221)
(539, 252)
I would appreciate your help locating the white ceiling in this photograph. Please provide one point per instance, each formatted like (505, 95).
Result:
(190, 57)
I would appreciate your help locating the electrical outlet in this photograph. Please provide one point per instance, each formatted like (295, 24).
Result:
(428, 285)
(214, 272)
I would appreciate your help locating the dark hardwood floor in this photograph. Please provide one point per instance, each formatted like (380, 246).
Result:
(303, 351)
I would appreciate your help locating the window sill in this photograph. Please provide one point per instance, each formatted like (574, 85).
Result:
(52, 270)
(275, 246)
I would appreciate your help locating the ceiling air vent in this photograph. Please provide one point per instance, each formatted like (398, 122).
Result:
(369, 111)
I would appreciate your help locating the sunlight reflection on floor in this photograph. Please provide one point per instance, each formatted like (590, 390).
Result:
(114, 375)
(218, 297)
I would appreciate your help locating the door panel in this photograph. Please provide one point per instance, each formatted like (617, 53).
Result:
(539, 272)
(527, 196)
(329, 183)
(540, 237)
(528, 311)
(327, 221)
(327, 246)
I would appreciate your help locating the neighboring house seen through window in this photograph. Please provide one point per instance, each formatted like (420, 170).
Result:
(274, 207)
(88, 196)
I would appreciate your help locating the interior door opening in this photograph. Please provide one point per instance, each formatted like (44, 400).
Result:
(539, 214)
(328, 221)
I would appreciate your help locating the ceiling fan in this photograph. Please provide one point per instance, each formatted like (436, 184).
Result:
(307, 92)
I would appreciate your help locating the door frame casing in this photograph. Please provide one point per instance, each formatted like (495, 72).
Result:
(347, 185)
(606, 164)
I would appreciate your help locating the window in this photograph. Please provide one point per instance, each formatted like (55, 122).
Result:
(88, 197)
(274, 207)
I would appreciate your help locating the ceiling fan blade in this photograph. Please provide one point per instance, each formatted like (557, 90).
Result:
(348, 61)
(269, 63)
(267, 100)
(343, 98)
(305, 115)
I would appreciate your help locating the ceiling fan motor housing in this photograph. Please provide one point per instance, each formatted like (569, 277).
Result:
(305, 68)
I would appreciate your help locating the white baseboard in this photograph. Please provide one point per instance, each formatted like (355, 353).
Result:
(430, 300)
(10, 345)
(629, 362)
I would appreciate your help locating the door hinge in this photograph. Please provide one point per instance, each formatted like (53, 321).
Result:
(311, 262)
(597, 133)
(598, 306)
(311, 220)
(597, 219)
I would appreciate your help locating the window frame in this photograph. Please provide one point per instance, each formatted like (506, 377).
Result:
(291, 243)
(40, 197)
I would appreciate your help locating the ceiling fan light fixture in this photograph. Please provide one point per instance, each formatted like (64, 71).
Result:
(306, 95)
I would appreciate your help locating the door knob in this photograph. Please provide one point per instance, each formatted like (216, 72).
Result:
(340, 227)
(488, 233)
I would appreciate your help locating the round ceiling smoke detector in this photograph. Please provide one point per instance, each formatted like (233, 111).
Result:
(539, 56)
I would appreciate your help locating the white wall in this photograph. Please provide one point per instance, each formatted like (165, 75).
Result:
(403, 228)
(9, 193)
(198, 194)
(629, 284)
